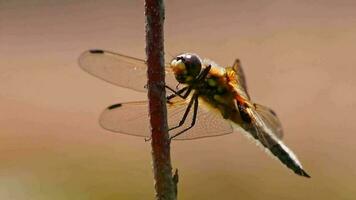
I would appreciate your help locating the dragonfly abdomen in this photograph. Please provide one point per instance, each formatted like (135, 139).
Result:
(270, 143)
(288, 158)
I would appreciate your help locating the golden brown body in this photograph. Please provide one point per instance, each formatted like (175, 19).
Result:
(222, 89)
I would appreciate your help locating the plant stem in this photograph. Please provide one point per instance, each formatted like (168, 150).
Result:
(165, 185)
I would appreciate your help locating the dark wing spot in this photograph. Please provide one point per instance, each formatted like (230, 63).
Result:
(97, 51)
(114, 106)
(273, 113)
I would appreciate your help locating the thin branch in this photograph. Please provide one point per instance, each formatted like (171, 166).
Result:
(165, 183)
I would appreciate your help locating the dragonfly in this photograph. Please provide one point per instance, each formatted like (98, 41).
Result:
(204, 100)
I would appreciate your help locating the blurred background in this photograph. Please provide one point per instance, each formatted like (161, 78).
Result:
(298, 57)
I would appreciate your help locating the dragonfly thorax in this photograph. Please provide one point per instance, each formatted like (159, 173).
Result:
(186, 67)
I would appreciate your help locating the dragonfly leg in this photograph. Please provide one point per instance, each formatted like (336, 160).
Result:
(185, 115)
(179, 92)
(184, 96)
(195, 111)
(204, 73)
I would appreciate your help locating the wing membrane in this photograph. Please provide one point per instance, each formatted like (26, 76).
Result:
(270, 119)
(132, 119)
(240, 77)
(118, 69)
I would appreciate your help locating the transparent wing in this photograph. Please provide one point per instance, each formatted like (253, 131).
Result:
(259, 130)
(270, 119)
(240, 77)
(132, 119)
(118, 69)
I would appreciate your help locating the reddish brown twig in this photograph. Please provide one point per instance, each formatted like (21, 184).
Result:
(165, 184)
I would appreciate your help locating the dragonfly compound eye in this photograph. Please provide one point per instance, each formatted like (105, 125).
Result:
(186, 67)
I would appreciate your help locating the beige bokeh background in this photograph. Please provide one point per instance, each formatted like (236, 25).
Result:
(299, 58)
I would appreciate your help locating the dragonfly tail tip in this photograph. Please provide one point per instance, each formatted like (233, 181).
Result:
(301, 172)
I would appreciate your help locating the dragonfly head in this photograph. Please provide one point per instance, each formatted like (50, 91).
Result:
(186, 67)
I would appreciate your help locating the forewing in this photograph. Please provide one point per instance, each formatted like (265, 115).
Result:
(240, 77)
(118, 69)
(132, 119)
